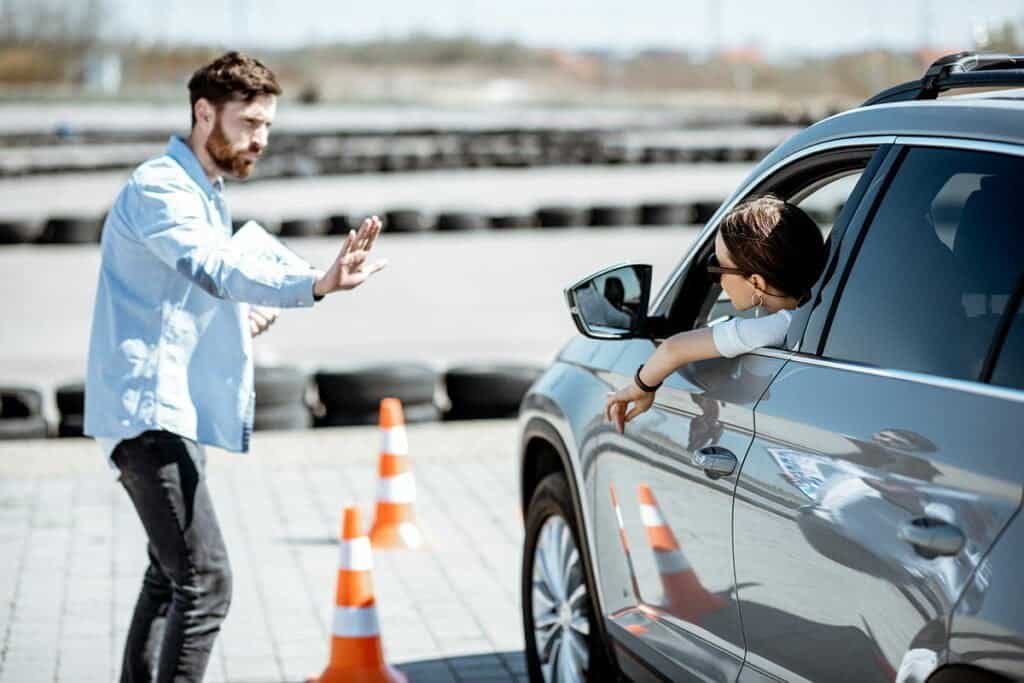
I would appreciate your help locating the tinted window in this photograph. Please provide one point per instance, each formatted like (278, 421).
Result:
(937, 266)
(1009, 369)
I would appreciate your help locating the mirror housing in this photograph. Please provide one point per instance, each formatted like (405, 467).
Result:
(612, 303)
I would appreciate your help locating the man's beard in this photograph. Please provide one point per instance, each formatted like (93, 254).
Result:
(228, 158)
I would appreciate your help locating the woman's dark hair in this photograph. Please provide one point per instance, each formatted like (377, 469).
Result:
(232, 76)
(777, 240)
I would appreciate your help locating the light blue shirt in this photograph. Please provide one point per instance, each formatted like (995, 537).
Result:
(170, 346)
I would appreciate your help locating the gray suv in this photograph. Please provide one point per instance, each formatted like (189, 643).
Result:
(843, 507)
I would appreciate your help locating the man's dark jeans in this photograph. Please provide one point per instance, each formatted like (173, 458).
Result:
(187, 587)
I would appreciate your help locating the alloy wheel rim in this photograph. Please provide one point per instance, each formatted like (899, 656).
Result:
(561, 626)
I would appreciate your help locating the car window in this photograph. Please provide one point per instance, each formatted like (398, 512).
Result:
(822, 201)
(936, 267)
(1009, 368)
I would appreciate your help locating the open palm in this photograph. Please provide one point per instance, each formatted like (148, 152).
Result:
(353, 267)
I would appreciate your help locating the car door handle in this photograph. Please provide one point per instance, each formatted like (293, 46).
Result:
(715, 461)
(932, 537)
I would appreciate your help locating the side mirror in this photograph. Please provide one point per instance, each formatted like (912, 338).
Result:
(612, 303)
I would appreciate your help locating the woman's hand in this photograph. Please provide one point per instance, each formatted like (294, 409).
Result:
(618, 410)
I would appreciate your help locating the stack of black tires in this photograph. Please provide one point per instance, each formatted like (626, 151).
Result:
(21, 414)
(352, 396)
(282, 398)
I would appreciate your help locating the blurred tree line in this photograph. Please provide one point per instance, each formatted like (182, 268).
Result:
(46, 44)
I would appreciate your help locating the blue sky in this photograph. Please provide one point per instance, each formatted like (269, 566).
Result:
(777, 26)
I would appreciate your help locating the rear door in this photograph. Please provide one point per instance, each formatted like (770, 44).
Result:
(663, 521)
(884, 464)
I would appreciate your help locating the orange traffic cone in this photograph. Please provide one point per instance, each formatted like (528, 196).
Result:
(395, 523)
(685, 597)
(356, 653)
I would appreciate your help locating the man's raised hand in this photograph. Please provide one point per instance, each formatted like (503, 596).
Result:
(352, 267)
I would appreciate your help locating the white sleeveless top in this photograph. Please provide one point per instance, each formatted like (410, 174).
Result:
(743, 335)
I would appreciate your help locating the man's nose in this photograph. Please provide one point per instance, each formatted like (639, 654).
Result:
(261, 138)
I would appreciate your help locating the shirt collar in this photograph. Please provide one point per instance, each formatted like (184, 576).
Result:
(179, 150)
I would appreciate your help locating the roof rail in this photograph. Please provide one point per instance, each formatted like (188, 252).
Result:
(960, 70)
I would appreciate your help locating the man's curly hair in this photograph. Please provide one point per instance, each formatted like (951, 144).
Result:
(232, 76)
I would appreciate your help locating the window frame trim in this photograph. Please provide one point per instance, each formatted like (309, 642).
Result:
(745, 189)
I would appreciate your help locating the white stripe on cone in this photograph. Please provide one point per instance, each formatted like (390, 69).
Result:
(356, 555)
(651, 516)
(394, 440)
(671, 561)
(355, 622)
(618, 516)
(400, 488)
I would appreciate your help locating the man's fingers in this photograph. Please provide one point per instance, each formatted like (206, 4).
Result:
(378, 266)
(375, 233)
(349, 239)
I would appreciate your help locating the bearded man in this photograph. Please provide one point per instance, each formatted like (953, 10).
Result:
(170, 353)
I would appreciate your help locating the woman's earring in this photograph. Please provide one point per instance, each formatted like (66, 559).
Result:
(758, 301)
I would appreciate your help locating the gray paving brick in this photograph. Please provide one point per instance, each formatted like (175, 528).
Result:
(447, 613)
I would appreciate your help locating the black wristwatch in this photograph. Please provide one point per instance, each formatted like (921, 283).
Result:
(644, 387)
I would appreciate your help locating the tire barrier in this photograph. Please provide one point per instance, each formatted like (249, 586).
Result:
(303, 227)
(666, 214)
(281, 398)
(21, 414)
(561, 217)
(353, 396)
(704, 210)
(307, 155)
(413, 415)
(338, 224)
(487, 390)
(71, 406)
(19, 232)
(512, 221)
(71, 230)
(415, 221)
(406, 220)
(608, 216)
(461, 221)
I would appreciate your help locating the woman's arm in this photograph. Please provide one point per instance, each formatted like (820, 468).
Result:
(674, 352)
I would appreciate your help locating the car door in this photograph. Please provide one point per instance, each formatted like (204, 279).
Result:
(884, 464)
(663, 516)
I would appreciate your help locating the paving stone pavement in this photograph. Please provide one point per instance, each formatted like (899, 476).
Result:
(72, 554)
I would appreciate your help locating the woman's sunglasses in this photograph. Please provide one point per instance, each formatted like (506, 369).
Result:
(716, 271)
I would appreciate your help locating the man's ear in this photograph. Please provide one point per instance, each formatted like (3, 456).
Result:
(203, 111)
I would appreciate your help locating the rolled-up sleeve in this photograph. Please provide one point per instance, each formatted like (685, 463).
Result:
(170, 219)
(743, 335)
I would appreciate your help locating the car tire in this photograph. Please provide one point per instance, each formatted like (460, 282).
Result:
(18, 232)
(33, 427)
(71, 425)
(549, 516)
(71, 398)
(303, 227)
(20, 402)
(406, 220)
(280, 385)
(608, 216)
(451, 221)
(413, 414)
(488, 390)
(360, 390)
(281, 417)
(71, 230)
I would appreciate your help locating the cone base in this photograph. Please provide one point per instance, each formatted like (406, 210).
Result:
(404, 535)
(356, 675)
